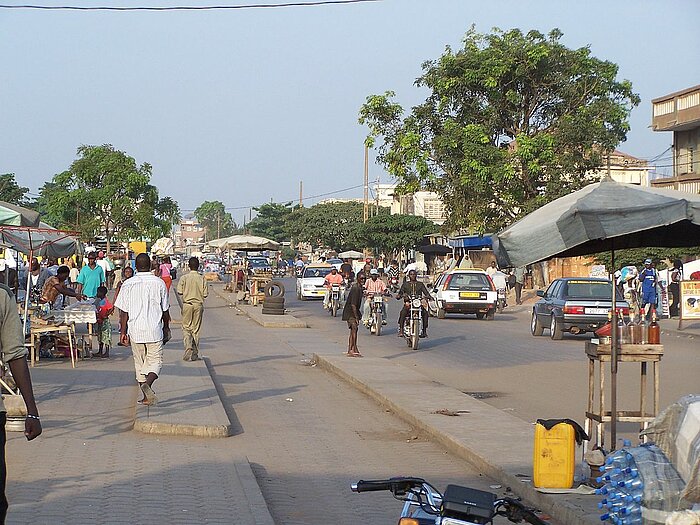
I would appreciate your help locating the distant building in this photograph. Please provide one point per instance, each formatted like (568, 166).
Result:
(189, 232)
(423, 203)
(623, 168)
(680, 113)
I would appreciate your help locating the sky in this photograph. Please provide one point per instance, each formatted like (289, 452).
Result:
(241, 105)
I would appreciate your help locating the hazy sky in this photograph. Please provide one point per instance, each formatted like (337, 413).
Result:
(239, 106)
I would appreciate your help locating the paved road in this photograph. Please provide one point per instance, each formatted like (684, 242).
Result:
(507, 367)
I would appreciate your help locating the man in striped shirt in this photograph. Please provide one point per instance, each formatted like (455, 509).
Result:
(145, 323)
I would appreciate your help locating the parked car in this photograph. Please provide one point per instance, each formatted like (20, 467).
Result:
(310, 284)
(576, 305)
(259, 265)
(467, 291)
(335, 262)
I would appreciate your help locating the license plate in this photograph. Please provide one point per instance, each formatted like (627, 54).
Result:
(596, 311)
(469, 295)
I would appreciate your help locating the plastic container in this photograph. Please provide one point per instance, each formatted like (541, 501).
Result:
(554, 460)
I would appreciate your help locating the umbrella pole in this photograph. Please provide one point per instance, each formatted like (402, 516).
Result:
(613, 358)
(26, 294)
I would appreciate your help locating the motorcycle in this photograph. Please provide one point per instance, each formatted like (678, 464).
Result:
(334, 299)
(414, 322)
(394, 284)
(425, 505)
(376, 315)
(298, 271)
(501, 299)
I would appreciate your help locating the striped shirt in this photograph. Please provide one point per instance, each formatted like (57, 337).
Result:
(145, 298)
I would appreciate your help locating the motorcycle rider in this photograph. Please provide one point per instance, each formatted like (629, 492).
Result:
(332, 278)
(374, 286)
(413, 288)
(393, 272)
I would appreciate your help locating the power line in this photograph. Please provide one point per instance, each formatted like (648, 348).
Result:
(185, 7)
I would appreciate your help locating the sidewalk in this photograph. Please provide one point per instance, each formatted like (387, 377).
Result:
(90, 466)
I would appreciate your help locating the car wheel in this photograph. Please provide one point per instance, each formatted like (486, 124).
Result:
(555, 331)
(491, 314)
(480, 315)
(536, 327)
(441, 313)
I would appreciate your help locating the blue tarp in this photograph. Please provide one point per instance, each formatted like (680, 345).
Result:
(475, 242)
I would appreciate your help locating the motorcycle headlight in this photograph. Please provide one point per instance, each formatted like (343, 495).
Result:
(416, 303)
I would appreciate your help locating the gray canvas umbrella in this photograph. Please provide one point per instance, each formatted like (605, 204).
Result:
(605, 216)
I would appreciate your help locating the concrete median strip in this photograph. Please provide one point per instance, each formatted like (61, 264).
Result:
(266, 321)
(188, 403)
(498, 444)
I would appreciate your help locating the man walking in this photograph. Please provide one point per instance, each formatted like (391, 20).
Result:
(649, 279)
(519, 273)
(351, 313)
(145, 323)
(14, 354)
(193, 289)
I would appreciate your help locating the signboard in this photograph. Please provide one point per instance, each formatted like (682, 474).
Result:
(690, 300)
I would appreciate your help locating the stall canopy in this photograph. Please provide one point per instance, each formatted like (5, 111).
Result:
(249, 243)
(42, 240)
(473, 242)
(435, 249)
(351, 254)
(604, 216)
(13, 215)
(163, 246)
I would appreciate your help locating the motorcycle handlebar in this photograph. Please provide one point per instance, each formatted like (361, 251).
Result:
(395, 485)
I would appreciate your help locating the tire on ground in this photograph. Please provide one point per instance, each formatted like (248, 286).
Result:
(273, 300)
(267, 311)
(274, 289)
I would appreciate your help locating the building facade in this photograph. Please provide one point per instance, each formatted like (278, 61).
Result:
(188, 233)
(679, 113)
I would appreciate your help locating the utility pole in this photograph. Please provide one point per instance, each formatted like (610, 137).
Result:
(365, 214)
(376, 202)
(218, 225)
(301, 193)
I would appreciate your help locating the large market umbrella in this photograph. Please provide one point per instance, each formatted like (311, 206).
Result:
(351, 254)
(249, 243)
(218, 243)
(604, 216)
(13, 215)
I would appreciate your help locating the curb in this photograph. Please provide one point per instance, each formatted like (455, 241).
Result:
(203, 416)
(253, 494)
(562, 511)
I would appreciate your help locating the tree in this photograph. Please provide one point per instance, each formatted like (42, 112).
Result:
(104, 192)
(270, 221)
(511, 122)
(216, 220)
(391, 234)
(12, 192)
(333, 225)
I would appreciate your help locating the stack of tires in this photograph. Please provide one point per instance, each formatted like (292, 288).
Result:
(273, 303)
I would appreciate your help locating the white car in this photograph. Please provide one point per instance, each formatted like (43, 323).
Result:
(310, 284)
(468, 291)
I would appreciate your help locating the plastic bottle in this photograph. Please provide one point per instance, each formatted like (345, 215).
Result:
(654, 330)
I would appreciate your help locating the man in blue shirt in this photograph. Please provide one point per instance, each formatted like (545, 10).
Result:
(91, 277)
(649, 279)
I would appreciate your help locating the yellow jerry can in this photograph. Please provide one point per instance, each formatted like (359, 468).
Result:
(554, 458)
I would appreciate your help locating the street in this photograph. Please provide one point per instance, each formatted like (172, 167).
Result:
(501, 363)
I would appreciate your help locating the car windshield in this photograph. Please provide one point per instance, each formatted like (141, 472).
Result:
(257, 263)
(599, 290)
(316, 272)
(469, 281)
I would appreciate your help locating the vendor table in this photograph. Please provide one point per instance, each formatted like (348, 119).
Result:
(86, 314)
(38, 331)
(628, 353)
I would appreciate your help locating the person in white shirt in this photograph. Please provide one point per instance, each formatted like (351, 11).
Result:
(145, 324)
(492, 269)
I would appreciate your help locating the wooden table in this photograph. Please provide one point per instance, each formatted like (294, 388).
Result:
(600, 353)
(39, 330)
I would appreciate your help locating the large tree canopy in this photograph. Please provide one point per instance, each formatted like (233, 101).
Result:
(511, 122)
(104, 192)
(270, 221)
(391, 234)
(216, 220)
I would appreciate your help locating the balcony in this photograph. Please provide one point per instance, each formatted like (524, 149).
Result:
(678, 111)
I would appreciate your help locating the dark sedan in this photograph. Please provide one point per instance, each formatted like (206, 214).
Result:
(575, 305)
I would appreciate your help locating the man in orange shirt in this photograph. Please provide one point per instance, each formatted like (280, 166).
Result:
(332, 278)
(374, 286)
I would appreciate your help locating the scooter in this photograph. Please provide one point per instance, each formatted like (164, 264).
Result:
(414, 322)
(425, 505)
(334, 299)
(501, 299)
(376, 315)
